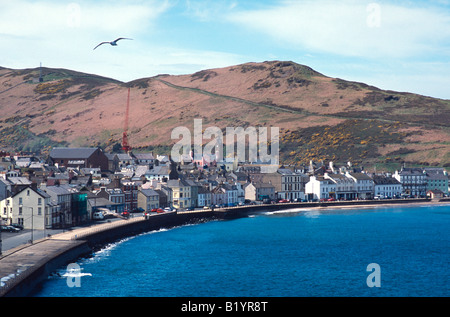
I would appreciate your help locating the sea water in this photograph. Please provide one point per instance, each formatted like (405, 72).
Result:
(299, 252)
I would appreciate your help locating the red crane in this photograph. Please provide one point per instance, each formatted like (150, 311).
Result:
(125, 146)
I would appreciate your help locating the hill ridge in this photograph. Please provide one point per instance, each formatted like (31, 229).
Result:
(78, 109)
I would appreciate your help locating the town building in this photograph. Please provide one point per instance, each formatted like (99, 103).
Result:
(160, 173)
(115, 195)
(437, 179)
(435, 194)
(204, 197)
(62, 197)
(148, 199)
(363, 185)
(344, 188)
(259, 191)
(29, 207)
(145, 159)
(163, 199)
(181, 193)
(125, 160)
(130, 191)
(386, 186)
(219, 195)
(79, 157)
(414, 181)
(320, 187)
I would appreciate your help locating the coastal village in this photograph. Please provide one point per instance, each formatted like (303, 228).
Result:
(74, 186)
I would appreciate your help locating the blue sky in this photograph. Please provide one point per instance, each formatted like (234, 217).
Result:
(392, 44)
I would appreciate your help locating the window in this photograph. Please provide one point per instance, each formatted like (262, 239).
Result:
(28, 192)
(39, 211)
(20, 201)
(39, 201)
(20, 211)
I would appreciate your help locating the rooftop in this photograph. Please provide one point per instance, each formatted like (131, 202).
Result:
(72, 153)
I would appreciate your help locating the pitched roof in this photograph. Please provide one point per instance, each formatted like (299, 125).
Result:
(262, 185)
(144, 156)
(149, 192)
(384, 180)
(38, 191)
(177, 183)
(361, 176)
(73, 153)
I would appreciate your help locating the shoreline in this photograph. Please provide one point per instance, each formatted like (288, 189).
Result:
(25, 267)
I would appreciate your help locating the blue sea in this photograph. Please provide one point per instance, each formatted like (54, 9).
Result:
(293, 253)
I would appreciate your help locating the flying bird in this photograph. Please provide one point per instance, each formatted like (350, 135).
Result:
(113, 43)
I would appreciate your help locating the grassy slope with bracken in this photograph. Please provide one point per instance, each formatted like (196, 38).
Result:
(320, 118)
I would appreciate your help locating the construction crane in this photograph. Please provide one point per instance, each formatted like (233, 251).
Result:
(125, 146)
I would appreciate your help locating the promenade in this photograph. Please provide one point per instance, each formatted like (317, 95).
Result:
(29, 264)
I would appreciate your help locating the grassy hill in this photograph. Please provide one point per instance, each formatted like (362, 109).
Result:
(320, 118)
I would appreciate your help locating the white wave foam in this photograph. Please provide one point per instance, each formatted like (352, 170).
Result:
(312, 214)
(287, 211)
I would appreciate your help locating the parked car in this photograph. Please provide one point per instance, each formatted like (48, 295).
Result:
(16, 225)
(9, 229)
(283, 201)
(159, 210)
(379, 197)
(125, 214)
(331, 199)
(98, 215)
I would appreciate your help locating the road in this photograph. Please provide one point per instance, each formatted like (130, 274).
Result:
(11, 240)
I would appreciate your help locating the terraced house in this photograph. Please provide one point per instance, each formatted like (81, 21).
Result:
(148, 199)
(181, 193)
(29, 207)
(344, 186)
(437, 179)
(386, 187)
(414, 181)
(363, 185)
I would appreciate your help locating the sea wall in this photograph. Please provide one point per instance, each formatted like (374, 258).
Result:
(98, 238)
(22, 283)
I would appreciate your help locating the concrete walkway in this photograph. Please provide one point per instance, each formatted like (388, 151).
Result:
(19, 263)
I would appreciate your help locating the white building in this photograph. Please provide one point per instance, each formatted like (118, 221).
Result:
(385, 186)
(363, 185)
(29, 207)
(345, 186)
(232, 194)
(203, 197)
(319, 187)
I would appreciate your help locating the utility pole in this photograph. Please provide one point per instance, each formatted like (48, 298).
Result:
(125, 146)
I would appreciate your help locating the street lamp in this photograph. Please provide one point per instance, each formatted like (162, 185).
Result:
(32, 227)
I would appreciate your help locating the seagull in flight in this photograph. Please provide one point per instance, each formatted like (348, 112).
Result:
(113, 43)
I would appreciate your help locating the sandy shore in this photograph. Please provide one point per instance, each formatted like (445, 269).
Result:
(387, 205)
